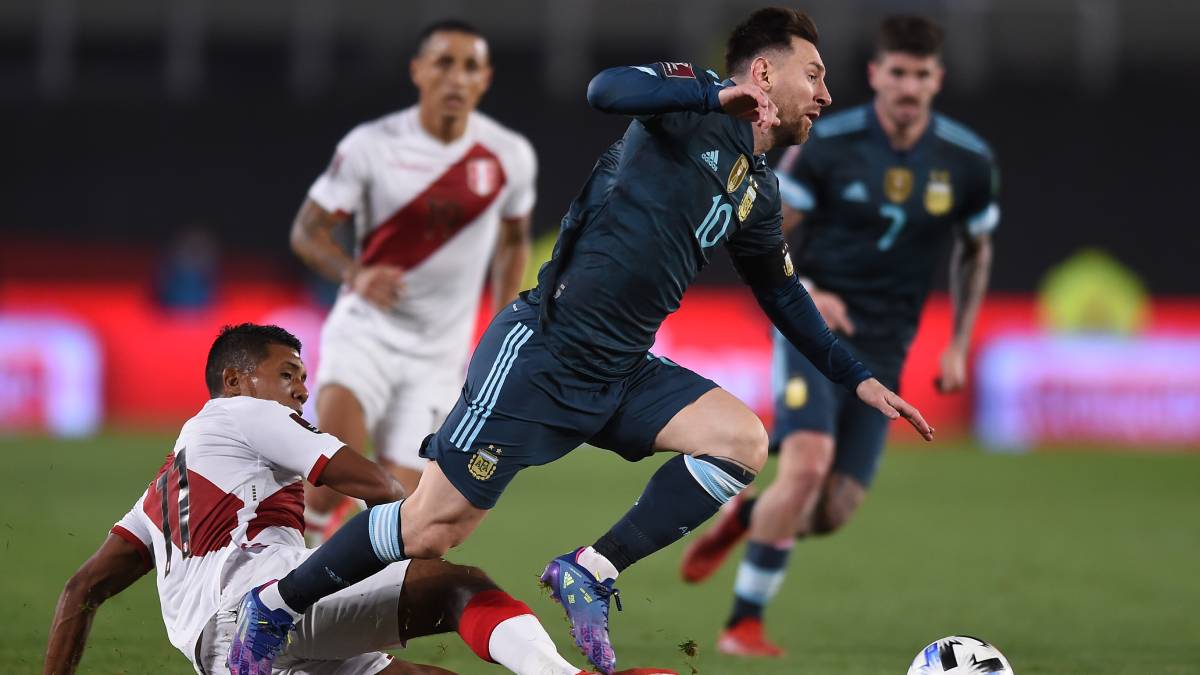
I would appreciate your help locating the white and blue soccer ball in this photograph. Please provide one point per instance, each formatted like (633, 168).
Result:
(960, 655)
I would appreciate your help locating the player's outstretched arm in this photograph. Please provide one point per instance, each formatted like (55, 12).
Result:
(784, 301)
(874, 394)
(790, 308)
(353, 475)
(110, 570)
(651, 90)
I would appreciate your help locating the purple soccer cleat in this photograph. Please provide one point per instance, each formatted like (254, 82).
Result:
(586, 602)
(261, 634)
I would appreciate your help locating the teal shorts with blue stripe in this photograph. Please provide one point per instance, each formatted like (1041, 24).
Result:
(520, 406)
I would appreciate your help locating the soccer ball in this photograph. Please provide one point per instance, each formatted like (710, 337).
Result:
(960, 655)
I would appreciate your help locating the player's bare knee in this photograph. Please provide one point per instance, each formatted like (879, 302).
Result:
(805, 459)
(750, 446)
(806, 452)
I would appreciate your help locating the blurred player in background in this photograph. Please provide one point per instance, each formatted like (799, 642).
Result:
(878, 188)
(436, 191)
(569, 362)
(225, 510)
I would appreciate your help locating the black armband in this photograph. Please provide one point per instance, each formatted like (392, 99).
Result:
(767, 270)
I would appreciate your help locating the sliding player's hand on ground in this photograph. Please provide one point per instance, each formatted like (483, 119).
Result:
(887, 402)
(380, 285)
(749, 102)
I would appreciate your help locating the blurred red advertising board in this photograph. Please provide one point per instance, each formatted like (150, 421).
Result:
(1061, 389)
(154, 358)
(50, 375)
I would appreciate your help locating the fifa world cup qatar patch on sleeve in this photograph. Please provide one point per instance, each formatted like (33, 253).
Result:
(678, 69)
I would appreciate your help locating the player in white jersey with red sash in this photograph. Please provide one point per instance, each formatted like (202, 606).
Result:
(436, 192)
(225, 511)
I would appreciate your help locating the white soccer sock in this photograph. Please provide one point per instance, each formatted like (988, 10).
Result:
(598, 565)
(522, 645)
(273, 600)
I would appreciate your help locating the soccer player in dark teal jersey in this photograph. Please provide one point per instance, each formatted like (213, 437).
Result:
(879, 188)
(569, 363)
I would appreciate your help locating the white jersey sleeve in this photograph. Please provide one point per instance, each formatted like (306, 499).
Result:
(341, 187)
(133, 528)
(284, 438)
(523, 194)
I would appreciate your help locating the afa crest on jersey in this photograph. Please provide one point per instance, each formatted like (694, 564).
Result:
(795, 394)
(482, 464)
(897, 184)
(483, 176)
(737, 174)
(939, 196)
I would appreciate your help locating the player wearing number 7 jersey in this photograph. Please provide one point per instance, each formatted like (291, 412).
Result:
(879, 188)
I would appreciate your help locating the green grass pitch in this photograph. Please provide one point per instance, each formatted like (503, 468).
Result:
(1069, 562)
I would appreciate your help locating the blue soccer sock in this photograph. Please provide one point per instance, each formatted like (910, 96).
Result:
(758, 579)
(366, 544)
(682, 494)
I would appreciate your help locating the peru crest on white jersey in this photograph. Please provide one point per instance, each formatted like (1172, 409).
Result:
(431, 208)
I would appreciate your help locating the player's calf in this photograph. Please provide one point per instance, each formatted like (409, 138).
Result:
(839, 501)
(682, 494)
(786, 507)
(501, 629)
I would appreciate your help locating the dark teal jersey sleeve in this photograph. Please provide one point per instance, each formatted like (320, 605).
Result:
(790, 308)
(762, 260)
(982, 205)
(654, 89)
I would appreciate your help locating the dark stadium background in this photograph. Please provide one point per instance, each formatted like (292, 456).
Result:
(128, 120)
(142, 136)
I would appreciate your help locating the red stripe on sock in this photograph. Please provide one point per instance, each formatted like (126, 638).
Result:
(483, 613)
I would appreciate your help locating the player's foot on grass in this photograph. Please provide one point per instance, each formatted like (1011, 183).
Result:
(746, 638)
(585, 600)
(705, 554)
(261, 634)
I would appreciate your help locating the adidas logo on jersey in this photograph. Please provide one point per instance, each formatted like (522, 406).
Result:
(856, 192)
(710, 158)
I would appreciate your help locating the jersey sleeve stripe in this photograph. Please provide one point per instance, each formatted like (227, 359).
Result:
(985, 221)
(959, 135)
(143, 551)
(314, 474)
(794, 194)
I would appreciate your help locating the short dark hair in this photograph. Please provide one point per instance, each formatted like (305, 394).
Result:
(243, 346)
(766, 28)
(910, 34)
(446, 25)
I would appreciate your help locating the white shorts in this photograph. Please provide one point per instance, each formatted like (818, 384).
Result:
(404, 397)
(342, 634)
